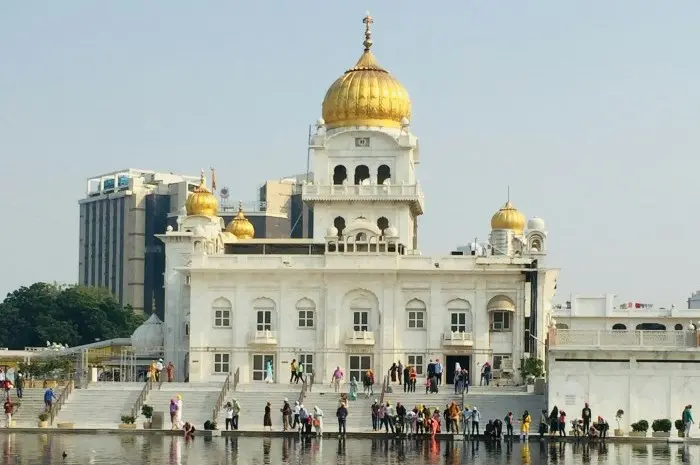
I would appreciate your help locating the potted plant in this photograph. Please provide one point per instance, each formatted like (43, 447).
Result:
(661, 428)
(128, 422)
(618, 418)
(43, 420)
(639, 429)
(680, 427)
(147, 412)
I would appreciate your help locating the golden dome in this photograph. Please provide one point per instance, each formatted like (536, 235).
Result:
(508, 217)
(240, 226)
(201, 201)
(366, 95)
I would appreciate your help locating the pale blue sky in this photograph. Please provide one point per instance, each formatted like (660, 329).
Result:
(587, 109)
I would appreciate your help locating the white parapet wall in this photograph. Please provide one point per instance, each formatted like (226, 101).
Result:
(649, 375)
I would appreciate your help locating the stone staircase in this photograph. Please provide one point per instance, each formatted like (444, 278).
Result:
(198, 401)
(492, 402)
(101, 405)
(27, 415)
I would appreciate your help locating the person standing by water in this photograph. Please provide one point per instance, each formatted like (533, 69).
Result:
(687, 417)
(342, 415)
(267, 417)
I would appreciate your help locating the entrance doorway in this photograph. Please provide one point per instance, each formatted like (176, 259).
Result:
(463, 360)
(259, 364)
(359, 364)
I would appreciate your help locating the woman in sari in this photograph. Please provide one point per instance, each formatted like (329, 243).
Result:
(268, 372)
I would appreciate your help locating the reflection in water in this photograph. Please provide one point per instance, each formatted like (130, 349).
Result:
(174, 450)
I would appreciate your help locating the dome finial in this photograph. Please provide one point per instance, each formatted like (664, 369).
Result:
(213, 179)
(367, 20)
(202, 182)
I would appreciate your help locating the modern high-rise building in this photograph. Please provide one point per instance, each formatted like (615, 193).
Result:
(123, 211)
(119, 217)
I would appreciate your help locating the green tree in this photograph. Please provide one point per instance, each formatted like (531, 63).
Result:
(72, 315)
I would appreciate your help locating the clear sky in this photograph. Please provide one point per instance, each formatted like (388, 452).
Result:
(589, 110)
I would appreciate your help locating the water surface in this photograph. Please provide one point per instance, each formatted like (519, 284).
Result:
(29, 449)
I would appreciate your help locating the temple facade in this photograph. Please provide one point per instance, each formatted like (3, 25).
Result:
(359, 294)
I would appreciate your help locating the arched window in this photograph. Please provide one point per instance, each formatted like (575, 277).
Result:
(678, 327)
(361, 311)
(222, 313)
(415, 314)
(536, 245)
(501, 310)
(340, 174)
(339, 223)
(382, 224)
(619, 327)
(264, 311)
(651, 327)
(361, 237)
(460, 316)
(383, 174)
(306, 311)
(361, 174)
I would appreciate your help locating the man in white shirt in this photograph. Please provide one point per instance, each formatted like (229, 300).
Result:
(159, 369)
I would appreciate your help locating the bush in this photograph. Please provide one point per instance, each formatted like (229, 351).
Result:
(128, 419)
(661, 426)
(642, 426)
(43, 416)
(679, 425)
(147, 411)
(531, 367)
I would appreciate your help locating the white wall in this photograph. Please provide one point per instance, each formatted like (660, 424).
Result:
(644, 390)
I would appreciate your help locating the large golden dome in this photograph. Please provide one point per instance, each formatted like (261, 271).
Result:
(366, 95)
(508, 217)
(240, 226)
(201, 201)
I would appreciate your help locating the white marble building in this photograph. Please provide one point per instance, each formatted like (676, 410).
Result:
(359, 294)
(608, 312)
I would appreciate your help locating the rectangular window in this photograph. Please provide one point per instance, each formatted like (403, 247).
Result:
(416, 361)
(359, 364)
(416, 319)
(222, 363)
(502, 361)
(306, 318)
(360, 321)
(362, 142)
(500, 321)
(222, 318)
(458, 322)
(307, 361)
(264, 320)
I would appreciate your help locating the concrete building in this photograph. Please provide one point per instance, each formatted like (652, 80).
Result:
(359, 294)
(119, 217)
(607, 312)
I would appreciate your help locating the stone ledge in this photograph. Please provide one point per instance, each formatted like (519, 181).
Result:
(534, 439)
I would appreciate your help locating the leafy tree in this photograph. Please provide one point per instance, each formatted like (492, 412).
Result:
(73, 315)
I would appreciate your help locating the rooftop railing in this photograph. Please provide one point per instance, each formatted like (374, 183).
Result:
(562, 338)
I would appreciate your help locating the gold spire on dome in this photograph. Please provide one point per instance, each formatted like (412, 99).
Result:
(508, 217)
(240, 226)
(367, 94)
(201, 201)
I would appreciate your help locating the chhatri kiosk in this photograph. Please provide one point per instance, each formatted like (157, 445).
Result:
(359, 294)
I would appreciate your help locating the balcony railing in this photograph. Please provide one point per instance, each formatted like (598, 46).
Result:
(329, 192)
(603, 338)
(363, 338)
(457, 338)
(263, 337)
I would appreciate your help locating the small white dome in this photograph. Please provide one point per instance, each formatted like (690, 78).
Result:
(391, 232)
(536, 224)
(169, 228)
(332, 232)
(149, 337)
(198, 231)
(405, 121)
(320, 122)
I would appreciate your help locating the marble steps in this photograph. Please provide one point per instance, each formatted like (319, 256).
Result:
(100, 407)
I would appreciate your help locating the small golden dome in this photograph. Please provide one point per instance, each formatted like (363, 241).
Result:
(508, 217)
(240, 226)
(366, 95)
(201, 201)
